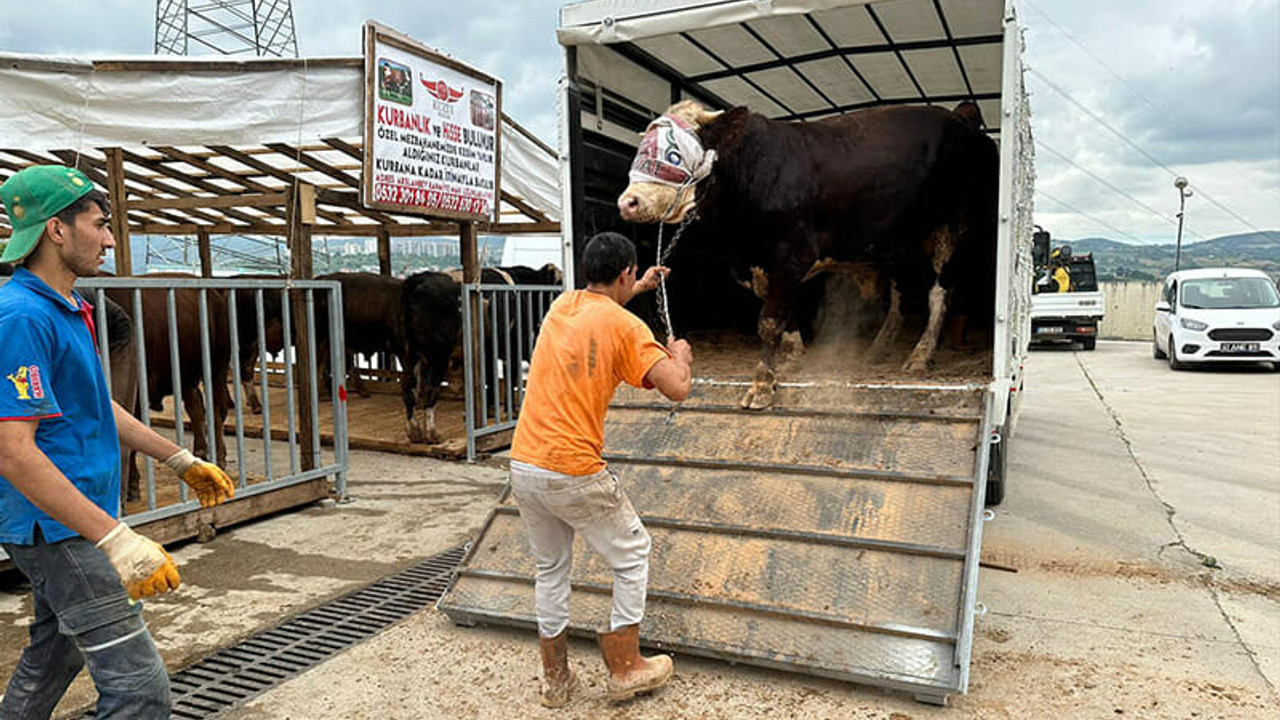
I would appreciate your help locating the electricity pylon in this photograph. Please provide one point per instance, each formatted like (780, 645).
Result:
(227, 27)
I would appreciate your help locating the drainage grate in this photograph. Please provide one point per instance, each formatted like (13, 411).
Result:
(233, 676)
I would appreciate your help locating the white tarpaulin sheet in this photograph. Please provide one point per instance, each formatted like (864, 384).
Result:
(610, 21)
(51, 103)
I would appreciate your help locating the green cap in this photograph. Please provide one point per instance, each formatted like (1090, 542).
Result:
(32, 196)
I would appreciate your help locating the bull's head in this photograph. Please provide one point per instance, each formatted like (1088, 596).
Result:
(668, 164)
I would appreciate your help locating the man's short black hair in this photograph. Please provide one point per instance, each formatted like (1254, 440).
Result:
(606, 256)
(68, 214)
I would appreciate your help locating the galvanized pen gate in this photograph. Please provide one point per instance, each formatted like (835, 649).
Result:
(502, 323)
(835, 533)
(287, 460)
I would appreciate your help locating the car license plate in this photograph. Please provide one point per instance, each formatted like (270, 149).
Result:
(1240, 347)
(1052, 330)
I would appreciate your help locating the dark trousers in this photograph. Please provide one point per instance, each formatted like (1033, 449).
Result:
(83, 616)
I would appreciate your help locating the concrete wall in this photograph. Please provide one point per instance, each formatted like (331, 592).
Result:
(1130, 309)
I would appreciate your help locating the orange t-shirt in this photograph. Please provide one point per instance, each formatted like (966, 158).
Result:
(588, 344)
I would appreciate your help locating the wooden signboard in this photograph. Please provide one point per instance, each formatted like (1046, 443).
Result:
(432, 131)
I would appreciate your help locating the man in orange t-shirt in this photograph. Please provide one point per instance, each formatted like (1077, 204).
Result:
(587, 345)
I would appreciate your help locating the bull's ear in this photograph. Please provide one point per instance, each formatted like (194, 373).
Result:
(702, 117)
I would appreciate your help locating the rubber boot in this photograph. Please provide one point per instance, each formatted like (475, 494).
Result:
(629, 672)
(558, 681)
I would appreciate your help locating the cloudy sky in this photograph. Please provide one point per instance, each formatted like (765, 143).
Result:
(1125, 95)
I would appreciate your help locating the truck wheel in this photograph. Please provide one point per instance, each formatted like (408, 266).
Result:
(1156, 352)
(995, 470)
(1174, 362)
(1089, 343)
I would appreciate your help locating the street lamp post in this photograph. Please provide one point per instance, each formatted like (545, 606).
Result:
(1183, 193)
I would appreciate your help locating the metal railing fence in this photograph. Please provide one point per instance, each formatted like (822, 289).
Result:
(218, 302)
(500, 325)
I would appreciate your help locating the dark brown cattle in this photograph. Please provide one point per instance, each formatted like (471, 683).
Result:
(431, 306)
(190, 363)
(373, 321)
(247, 330)
(910, 191)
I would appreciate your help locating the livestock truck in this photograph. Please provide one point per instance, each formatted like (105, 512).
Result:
(837, 531)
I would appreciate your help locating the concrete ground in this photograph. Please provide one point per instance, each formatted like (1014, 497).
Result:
(1142, 515)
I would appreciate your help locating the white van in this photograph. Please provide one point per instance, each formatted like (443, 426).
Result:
(1216, 315)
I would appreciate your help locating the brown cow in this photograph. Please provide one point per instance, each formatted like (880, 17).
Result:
(909, 189)
(155, 320)
(247, 330)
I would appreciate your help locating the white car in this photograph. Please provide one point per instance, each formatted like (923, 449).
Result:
(1217, 315)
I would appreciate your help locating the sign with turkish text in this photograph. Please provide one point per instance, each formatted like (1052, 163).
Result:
(432, 131)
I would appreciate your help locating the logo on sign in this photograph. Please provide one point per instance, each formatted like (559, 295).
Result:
(441, 91)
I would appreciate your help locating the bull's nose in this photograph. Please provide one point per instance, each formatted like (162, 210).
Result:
(628, 205)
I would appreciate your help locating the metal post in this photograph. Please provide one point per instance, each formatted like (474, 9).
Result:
(175, 369)
(144, 400)
(264, 392)
(290, 362)
(311, 415)
(233, 323)
(206, 375)
(104, 337)
(468, 373)
(1183, 193)
(338, 372)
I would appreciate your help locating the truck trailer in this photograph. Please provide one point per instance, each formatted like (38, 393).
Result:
(836, 532)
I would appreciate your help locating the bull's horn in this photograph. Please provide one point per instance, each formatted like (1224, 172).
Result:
(705, 116)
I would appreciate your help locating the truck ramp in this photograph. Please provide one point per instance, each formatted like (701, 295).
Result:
(834, 534)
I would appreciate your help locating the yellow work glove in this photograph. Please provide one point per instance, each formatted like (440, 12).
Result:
(144, 567)
(211, 484)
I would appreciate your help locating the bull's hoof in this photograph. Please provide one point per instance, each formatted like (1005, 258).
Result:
(790, 351)
(419, 435)
(759, 396)
(917, 363)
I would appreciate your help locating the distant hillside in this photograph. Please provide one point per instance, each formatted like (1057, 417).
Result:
(1122, 261)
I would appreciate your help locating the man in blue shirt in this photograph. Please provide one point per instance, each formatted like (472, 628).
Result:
(60, 437)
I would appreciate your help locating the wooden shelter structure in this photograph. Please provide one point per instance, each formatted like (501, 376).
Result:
(210, 147)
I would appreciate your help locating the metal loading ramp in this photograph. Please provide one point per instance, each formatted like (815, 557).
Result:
(834, 534)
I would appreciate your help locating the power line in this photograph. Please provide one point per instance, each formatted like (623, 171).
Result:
(1101, 222)
(1124, 138)
(1098, 60)
(1150, 103)
(1153, 211)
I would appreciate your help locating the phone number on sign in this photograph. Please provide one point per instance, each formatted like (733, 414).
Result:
(432, 199)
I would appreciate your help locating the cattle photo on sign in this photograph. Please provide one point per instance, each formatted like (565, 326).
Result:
(902, 197)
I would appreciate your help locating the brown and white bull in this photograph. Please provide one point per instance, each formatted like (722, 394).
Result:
(910, 191)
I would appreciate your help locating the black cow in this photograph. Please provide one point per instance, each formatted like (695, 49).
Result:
(372, 316)
(907, 193)
(431, 308)
(548, 274)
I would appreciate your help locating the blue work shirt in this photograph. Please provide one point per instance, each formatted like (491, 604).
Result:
(52, 374)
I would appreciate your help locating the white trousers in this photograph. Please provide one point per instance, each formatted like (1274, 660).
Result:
(555, 506)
